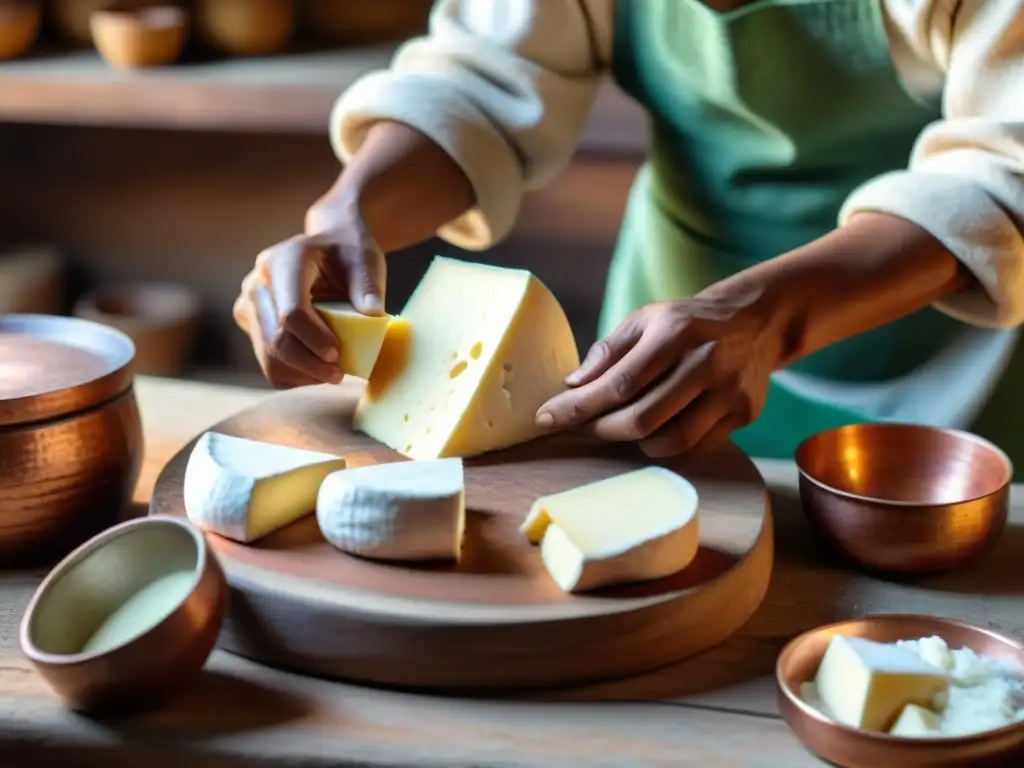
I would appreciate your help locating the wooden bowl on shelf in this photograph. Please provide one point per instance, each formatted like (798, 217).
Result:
(19, 27)
(246, 27)
(357, 22)
(903, 498)
(31, 280)
(160, 318)
(70, 434)
(130, 37)
(69, 19)
(128, 619)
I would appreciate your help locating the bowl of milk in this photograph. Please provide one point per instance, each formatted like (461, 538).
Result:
(128, 619)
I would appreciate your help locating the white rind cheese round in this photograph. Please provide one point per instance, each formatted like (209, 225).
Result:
(409, 510)
(245, 489)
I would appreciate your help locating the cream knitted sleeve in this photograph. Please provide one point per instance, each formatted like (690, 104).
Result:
(503, 86)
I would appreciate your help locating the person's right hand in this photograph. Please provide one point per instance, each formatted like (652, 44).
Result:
(292, 343)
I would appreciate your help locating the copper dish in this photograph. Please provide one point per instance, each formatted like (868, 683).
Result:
(146, 667)
(160, 318)
(130, 37)
(851, 748)
(19, 27)
(70, 433)
(905, 499)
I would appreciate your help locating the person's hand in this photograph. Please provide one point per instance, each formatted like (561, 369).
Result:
(675, 376)
(292, 343)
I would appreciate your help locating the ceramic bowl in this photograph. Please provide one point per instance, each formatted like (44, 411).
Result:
(246, 27)
(905, 499)
(70, 434)
(129, 618)
(130, 37)
(19, 27)
(852, 748)
(160, 318)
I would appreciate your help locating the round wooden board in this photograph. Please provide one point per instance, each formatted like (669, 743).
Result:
(495, 620)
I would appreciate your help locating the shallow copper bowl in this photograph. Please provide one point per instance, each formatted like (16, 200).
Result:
(851, 748)
(905, 499)
(70, 434)
(145, 671)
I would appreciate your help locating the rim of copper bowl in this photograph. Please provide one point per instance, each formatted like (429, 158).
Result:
(67, 401)
(803, 448)
(885, 738)
(60, 571)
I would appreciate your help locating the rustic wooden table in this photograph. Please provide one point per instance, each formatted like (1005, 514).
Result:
(715, 710)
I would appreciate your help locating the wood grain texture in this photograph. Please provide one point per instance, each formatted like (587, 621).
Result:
(495, 620)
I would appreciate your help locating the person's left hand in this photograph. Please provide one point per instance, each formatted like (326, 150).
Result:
(675, 376)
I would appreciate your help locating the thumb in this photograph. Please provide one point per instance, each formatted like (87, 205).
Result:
(366, 272)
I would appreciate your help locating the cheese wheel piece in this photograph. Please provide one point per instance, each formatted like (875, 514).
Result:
(245, 489)
(410, 510)
(864, 684)
(489, 346)
(638, 526)
(917, 722)
(360, 337)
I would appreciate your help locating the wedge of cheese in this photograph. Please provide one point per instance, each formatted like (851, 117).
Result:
(864, 684)
(634, 527)
(244, 489)
(361, 337)
(489, 346)
(917, 722)
(409, 510)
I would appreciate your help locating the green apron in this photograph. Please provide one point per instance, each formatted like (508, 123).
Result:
(763, 120)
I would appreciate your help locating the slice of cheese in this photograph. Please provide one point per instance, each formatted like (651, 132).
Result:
(917, 722)
(244, 489)
(409, 510)
(864, 684)
(360, 337)
(488, 347)
(633, 527)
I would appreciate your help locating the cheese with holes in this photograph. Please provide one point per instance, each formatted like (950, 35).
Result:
(488, 347)
(634, 527)
(360, 337)
(917, 722)
(409, 510)
(864, 684)
(244, 489)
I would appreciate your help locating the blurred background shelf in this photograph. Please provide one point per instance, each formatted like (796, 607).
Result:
(289, 93)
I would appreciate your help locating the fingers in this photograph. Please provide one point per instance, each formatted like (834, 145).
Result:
(352, 261)
(291, 273)
(620, 383)
(606, 352)
(641, 418)
(708, 421)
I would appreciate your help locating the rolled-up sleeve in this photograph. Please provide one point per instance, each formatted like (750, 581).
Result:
(503, 86)
(965, 181)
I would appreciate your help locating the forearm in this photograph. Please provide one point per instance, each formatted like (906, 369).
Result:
(402, 184)
(871, 272)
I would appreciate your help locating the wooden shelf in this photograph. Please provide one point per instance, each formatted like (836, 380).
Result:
(290, 93)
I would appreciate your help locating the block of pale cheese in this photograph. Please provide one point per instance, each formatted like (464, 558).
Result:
(637, 526)
(408, 510)
(360, 337)
(917, 722)
(864, 684)
(488, 347)
(244, 489)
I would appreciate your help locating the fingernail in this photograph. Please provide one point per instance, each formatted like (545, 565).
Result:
(371, 301)
(335, 377)
(573, 377)
(330, 355)
(545, 420)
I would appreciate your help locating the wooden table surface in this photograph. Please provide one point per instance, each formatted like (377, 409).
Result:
(715, 710)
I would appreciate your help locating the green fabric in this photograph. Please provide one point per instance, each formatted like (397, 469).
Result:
(763, 121)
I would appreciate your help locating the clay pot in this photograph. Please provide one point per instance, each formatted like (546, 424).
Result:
(246, 27)
(132, 38)
(160, 318)
(31, 280)
(19, 27)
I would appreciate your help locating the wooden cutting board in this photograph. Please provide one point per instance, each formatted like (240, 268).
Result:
(494, 621)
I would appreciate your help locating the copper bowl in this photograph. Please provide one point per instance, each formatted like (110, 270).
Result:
(70, 434)
(905, 499)
(852, 748)
(102, 659)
